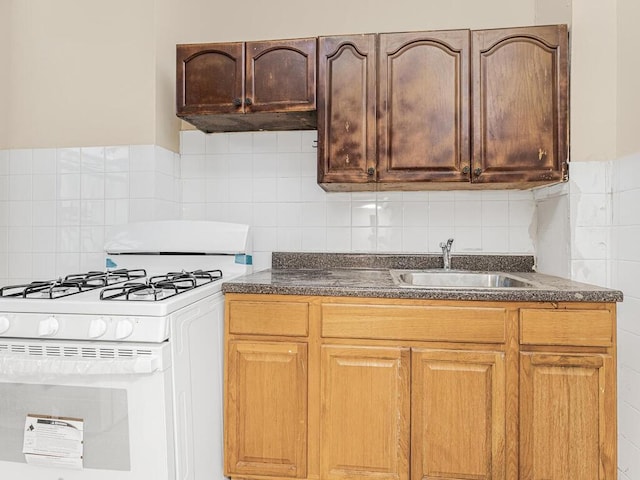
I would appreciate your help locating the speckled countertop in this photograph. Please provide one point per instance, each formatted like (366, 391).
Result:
(364, 275)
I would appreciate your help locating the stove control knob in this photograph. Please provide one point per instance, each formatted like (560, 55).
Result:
(124, 328)
(48, 327)
(4, 324)
(97, 328)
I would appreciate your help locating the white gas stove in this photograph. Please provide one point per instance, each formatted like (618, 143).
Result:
(150, 325)
(156, 268)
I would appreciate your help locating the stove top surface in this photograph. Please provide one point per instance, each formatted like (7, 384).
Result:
(131, 292)
(183, 262)
(71, 284)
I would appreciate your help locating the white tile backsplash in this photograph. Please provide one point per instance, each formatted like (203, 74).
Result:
(116, 159)
(20, 214)
(67, 160)
(142, 158)
(69, 186)
(92, 160)
(266, 179)
(4, 162)
(20, 162)
(191, 142)
(56, 203)
(92, 185)
(250, 175)
(20, 187)
(44, 161)
(44, 186)
(4, 188)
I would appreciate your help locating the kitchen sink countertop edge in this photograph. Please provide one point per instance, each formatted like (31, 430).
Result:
(363, 275)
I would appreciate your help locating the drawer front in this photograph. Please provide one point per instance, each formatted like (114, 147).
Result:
(397, 322)
(589, 328)
(269, 318)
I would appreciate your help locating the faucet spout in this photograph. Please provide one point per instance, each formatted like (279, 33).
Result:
(446, 253)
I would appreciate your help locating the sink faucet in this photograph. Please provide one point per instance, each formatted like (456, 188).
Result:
(446, 253)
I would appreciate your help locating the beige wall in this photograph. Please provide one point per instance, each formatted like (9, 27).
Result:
(593, 80)
(4, 73)
(628, 76)
(102, 73)
(82, 73)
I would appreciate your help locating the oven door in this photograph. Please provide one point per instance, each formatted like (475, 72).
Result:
(120, 393)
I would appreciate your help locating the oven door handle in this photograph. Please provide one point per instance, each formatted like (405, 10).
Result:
(13, 365)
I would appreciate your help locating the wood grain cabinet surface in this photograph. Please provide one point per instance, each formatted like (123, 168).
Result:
(247, 86)
(568, 394)
(420, 110)
(520, 96)
(348, 398)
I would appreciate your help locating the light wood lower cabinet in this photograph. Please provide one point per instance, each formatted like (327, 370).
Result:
(564, 429)
(457, 415)
(365, 413)
(266, 415)
(331, 388)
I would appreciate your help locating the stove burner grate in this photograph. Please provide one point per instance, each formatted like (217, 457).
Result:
(71, 284)
(160, 287)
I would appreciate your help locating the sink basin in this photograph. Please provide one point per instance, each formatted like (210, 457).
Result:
(456, 279)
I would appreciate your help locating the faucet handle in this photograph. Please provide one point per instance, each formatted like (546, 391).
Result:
(447, 245)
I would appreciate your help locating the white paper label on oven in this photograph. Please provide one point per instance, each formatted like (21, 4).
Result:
(53, 441)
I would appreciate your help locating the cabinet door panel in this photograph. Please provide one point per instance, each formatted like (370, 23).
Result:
(424, 106)
(457, 415)
(209, 77)
(365, 413)
(266, 409)
(520, 104)
(281, 75)
(346, 109)
(567, 412)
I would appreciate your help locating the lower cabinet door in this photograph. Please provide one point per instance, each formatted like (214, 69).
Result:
(266, 409)
(365, 413)
(567, 417)
(457, 415)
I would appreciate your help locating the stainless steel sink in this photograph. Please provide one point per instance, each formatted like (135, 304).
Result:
(457, 279)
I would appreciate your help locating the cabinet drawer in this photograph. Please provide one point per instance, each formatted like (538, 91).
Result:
(269, 318)
(398, 322)
(591, 328)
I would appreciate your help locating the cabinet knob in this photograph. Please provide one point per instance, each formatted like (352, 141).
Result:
(465, 169)
(248, 101)
(371, 171)
(237, 102)
(477, 172)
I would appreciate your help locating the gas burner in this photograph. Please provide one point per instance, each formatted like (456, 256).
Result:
(103, 279)
(197, 277)
(160, 287)
(71, 284)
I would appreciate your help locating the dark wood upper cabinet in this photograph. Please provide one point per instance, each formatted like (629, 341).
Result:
(520, 104)
(392, 108)
(397, 111)
(347, 111)
(423, 105)
(452, 109)
(281, 75)
(210, 78)
(219, 85)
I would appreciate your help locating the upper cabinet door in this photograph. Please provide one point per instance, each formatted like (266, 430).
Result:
(346, 109)
(519, 104)
(281, 75)
(423, 107)
(210, 78)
